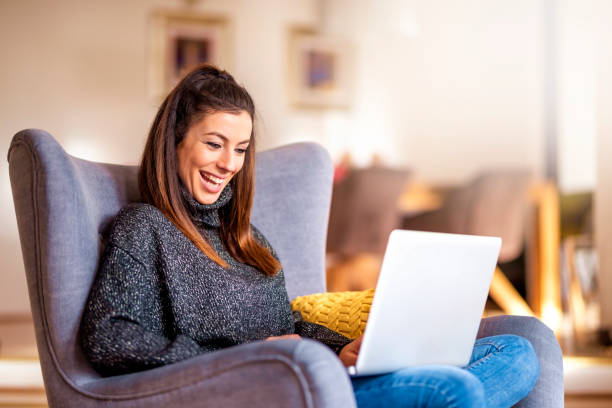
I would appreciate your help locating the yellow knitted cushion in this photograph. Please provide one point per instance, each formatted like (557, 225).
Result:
(343, 312)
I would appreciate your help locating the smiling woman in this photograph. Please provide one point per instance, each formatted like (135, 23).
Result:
(212, 152)
(201, 142)
(185, 272)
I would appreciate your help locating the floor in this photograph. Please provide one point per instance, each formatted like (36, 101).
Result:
(588, 381)
(21, 382)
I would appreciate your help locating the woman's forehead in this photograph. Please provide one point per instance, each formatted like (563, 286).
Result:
(228, 125)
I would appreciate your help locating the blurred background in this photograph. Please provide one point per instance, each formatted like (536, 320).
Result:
(471, 116)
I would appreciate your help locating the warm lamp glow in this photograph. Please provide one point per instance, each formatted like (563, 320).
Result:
(506, 296)
(551, 315)
(549, 241)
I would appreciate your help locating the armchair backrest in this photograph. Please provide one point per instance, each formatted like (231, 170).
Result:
(64, 204)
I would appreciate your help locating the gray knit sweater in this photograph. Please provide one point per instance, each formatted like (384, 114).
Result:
(157, 299)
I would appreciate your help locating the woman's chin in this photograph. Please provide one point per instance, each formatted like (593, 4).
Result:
(207, 198)
(206, 193)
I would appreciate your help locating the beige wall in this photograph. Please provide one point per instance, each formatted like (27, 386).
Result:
(79, 70)
(577, 84)
(445, 87)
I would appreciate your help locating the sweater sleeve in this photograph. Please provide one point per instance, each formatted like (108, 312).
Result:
(122, 329)
(330, 338)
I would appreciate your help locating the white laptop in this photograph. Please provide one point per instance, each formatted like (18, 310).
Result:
(428, 302)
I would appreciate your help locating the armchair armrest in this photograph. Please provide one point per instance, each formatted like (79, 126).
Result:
(548, 391)
(297, 373)
(347, 313)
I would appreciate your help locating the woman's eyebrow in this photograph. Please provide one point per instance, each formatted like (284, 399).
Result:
(225, 138)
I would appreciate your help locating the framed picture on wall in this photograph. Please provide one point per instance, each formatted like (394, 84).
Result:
(181, 41)
(319, 70)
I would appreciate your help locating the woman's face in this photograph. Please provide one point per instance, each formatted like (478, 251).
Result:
(212, 152)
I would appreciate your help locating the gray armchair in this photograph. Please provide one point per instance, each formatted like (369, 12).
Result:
(63, 206)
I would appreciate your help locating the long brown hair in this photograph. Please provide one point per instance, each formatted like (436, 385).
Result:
(204, 90)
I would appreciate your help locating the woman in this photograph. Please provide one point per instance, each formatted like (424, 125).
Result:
(186, 273)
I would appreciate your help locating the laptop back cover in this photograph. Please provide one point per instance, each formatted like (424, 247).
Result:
(429, 300)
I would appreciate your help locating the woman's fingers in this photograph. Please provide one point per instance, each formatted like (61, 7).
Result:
(286, 336)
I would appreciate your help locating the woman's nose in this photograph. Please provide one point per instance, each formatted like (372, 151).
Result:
(227, 161)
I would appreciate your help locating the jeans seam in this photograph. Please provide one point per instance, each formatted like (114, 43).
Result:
(497, 347)
(480, 362)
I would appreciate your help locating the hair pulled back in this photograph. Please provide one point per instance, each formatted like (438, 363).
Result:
(204, 90)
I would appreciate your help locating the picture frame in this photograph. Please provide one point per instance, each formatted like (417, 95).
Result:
(179, 41)
(319, 70)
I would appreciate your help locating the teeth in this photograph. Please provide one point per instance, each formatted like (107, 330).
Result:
(214, 179)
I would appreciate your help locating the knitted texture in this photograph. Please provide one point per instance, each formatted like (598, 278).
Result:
(342, 312)
(157, 299)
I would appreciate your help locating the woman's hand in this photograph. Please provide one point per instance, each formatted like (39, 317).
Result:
(348, 354)
(283, 337)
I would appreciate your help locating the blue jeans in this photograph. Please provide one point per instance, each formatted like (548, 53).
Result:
(502, 371)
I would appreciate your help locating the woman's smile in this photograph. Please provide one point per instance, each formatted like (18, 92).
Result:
(212, 183)
(212, 152)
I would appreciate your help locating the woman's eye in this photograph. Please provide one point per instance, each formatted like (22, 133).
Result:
(214, 145)
(241, 151)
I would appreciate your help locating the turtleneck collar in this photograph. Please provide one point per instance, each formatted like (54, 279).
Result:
(207, 214)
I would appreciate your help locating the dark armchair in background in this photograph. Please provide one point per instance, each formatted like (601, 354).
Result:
(511, 204)
(363, 213)
(364, 209)
(493, 203)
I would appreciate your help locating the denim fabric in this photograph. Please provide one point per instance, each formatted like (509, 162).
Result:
(502, 370)
(507, 366)
(548, 391)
